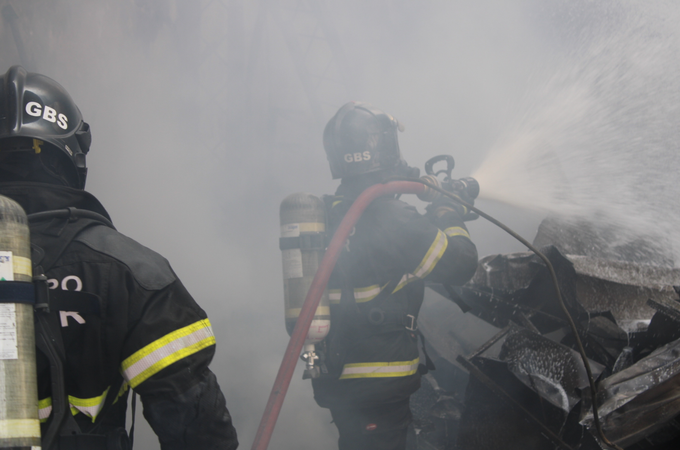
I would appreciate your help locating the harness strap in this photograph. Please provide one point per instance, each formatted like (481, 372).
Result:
(17, 292)
(49, 341)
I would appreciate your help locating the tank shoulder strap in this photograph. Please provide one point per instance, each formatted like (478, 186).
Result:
(56, 230)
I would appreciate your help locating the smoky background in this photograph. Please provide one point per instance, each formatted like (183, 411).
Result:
(205, 114)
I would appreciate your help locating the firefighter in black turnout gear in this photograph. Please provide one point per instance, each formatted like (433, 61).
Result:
(119, 319)
(377, 286)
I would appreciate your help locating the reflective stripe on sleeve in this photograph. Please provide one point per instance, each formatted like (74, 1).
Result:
(406, 279)
(433, 255)
(457, 231)
(167, 350)
(380, 369)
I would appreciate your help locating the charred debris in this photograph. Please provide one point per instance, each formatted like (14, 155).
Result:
(508, 375)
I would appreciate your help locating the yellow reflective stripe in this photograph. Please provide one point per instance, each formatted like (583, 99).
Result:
(334, 295)
(431, 258)
(433, 255)
(91, 407)
(123, 388)
(19, 428)
(406, 279)
(167, 350)
(44, 408)
(380, 369)
(88, 406)
(294, 313)
(366, 294)
(361, 295)
(456, 231)
(22, 265)
(312, 227)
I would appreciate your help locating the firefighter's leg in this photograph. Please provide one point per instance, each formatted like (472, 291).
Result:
(382, 427)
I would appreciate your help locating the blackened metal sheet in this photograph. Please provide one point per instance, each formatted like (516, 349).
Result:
(636, 401)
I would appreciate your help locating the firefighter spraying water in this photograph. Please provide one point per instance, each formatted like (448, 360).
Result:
(368, 396)
(368, 364)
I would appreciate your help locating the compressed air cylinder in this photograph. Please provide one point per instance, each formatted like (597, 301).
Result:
(19, 423)
(303, 245)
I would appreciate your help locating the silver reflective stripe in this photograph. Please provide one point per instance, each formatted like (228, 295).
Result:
(361, 295)
(167, 350)
(380, 369)
(334, 295)
(366, 294)
(88, 406)
(91, 407)
(457, 231)
(44, 409)
(406, 279)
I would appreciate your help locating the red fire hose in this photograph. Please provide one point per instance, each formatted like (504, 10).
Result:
(297, 339)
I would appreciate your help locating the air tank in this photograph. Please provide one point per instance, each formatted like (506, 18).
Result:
(19, 423)
(303, 243)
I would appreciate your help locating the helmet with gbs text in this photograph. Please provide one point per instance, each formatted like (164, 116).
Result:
(361, 139)
(41, 131)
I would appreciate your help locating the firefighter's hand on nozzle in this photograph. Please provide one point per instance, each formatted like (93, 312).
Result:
(465, 189)
(446, 205)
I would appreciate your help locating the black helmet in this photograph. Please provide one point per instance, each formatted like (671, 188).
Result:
(36, 108)
(361, 139)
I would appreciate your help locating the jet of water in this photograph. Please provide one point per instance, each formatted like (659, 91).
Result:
(598, 140)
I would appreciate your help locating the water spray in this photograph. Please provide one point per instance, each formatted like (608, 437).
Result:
(427, 188)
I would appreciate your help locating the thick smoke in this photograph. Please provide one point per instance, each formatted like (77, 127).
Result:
(206, 114)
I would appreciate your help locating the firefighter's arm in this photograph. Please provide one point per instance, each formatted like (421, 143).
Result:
(434, 247)
(167, 356)
(195, 418)
(458, 262)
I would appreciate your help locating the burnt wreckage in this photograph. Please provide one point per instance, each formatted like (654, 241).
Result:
(508, 374)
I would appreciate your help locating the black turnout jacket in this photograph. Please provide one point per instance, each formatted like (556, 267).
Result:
(375, 293)
(140, 330)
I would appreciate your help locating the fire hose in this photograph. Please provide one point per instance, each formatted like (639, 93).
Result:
(297, 339)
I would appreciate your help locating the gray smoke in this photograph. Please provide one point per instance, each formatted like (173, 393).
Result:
(206, 114)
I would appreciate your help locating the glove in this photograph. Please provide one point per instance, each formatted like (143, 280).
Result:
(445, 205)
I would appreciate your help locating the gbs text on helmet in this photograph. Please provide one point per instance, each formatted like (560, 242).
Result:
(35, 109)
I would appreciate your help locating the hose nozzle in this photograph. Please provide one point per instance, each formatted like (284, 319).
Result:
(466, 188)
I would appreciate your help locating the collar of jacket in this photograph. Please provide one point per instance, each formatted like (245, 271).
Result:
(38, 197)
